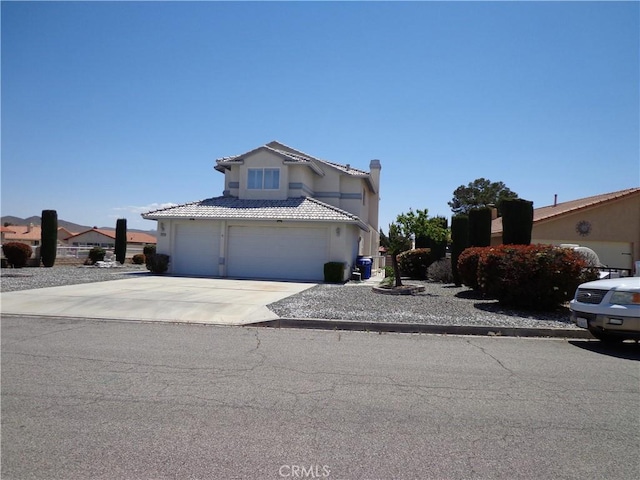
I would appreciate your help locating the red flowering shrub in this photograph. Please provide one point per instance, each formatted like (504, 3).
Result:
(17, 254)
(414, 263)
(468, 266)
(536, 277)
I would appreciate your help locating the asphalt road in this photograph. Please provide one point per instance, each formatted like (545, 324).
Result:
(125, 400)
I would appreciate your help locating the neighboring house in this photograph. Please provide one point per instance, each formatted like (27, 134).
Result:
(3, 232)
(63, 234)
(283, 215)
(609, 224)
(27, 234)
(105, 238)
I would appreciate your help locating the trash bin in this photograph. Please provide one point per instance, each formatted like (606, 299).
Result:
(364, 265)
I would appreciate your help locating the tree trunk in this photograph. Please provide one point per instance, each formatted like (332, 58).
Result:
(396, 270)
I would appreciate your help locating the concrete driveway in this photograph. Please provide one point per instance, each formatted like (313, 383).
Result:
(157, 298)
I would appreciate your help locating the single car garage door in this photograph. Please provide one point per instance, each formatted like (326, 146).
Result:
(284, 253)
(197, 248)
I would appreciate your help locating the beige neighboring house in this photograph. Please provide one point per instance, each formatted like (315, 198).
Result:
(4, 231)
(27, 234)
(63, 234)
(283, 214)
(609, 224)
(106, 238)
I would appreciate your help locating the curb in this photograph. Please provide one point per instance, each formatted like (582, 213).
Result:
(383, 327)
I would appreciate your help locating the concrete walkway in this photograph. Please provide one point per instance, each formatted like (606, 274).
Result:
(158, 299)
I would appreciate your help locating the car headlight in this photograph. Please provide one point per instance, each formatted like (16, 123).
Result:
(625, 298)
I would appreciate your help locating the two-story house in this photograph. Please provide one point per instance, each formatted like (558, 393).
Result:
(283, 215)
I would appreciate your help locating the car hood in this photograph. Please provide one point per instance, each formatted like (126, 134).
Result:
(628, 284)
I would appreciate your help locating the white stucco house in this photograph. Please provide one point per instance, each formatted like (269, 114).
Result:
(283, 214)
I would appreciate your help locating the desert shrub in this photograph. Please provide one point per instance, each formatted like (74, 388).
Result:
(334, 272)
(414, 263)
(440, 271)
(534, 277)
(468, 266)
(17, 254)
(96, 254)
(157, 263)
(148, 251)
(138, 259)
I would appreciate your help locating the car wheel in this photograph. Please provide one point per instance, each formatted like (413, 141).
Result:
(606, 337)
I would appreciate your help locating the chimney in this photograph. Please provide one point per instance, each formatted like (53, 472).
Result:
(555, 200)
(30, 227)
(374, 174)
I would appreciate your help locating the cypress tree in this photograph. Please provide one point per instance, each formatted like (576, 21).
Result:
(49, 237)
(121, 240)
(517, 221)
(459, 241)
(480, 227)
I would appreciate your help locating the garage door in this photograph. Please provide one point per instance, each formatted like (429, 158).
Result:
(197, 249)
(277, 252)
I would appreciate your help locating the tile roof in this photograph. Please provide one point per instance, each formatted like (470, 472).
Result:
(550, 211)
(231, 208)
(290, 155)
(24, 232)
(132, 237)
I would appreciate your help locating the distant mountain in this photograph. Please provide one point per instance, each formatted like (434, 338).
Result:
(72, 227)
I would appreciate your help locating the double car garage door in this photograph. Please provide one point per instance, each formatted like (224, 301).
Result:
(284, 253)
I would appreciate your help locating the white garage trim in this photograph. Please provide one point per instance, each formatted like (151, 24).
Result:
(277, 252)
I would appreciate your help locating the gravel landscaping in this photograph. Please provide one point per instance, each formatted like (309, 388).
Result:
(12, 279)
(438, 305)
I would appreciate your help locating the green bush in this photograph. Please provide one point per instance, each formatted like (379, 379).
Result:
(414, 263)
(138, 259)
(468, 266)
(17, 254)
(96, 254)
(157, 263)
(334, 272)
(533, 277)
(49, 237)
(388, 271)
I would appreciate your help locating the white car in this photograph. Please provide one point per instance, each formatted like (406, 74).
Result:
(609, 309)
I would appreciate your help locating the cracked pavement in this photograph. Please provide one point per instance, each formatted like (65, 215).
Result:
(90, 399)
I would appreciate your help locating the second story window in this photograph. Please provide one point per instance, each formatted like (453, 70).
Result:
(263, 179)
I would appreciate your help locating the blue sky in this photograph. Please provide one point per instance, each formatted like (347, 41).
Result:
(110, 109)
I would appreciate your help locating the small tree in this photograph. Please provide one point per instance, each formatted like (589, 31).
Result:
(49, 237)
(429, 232)
(121, 240)
(398, 243)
